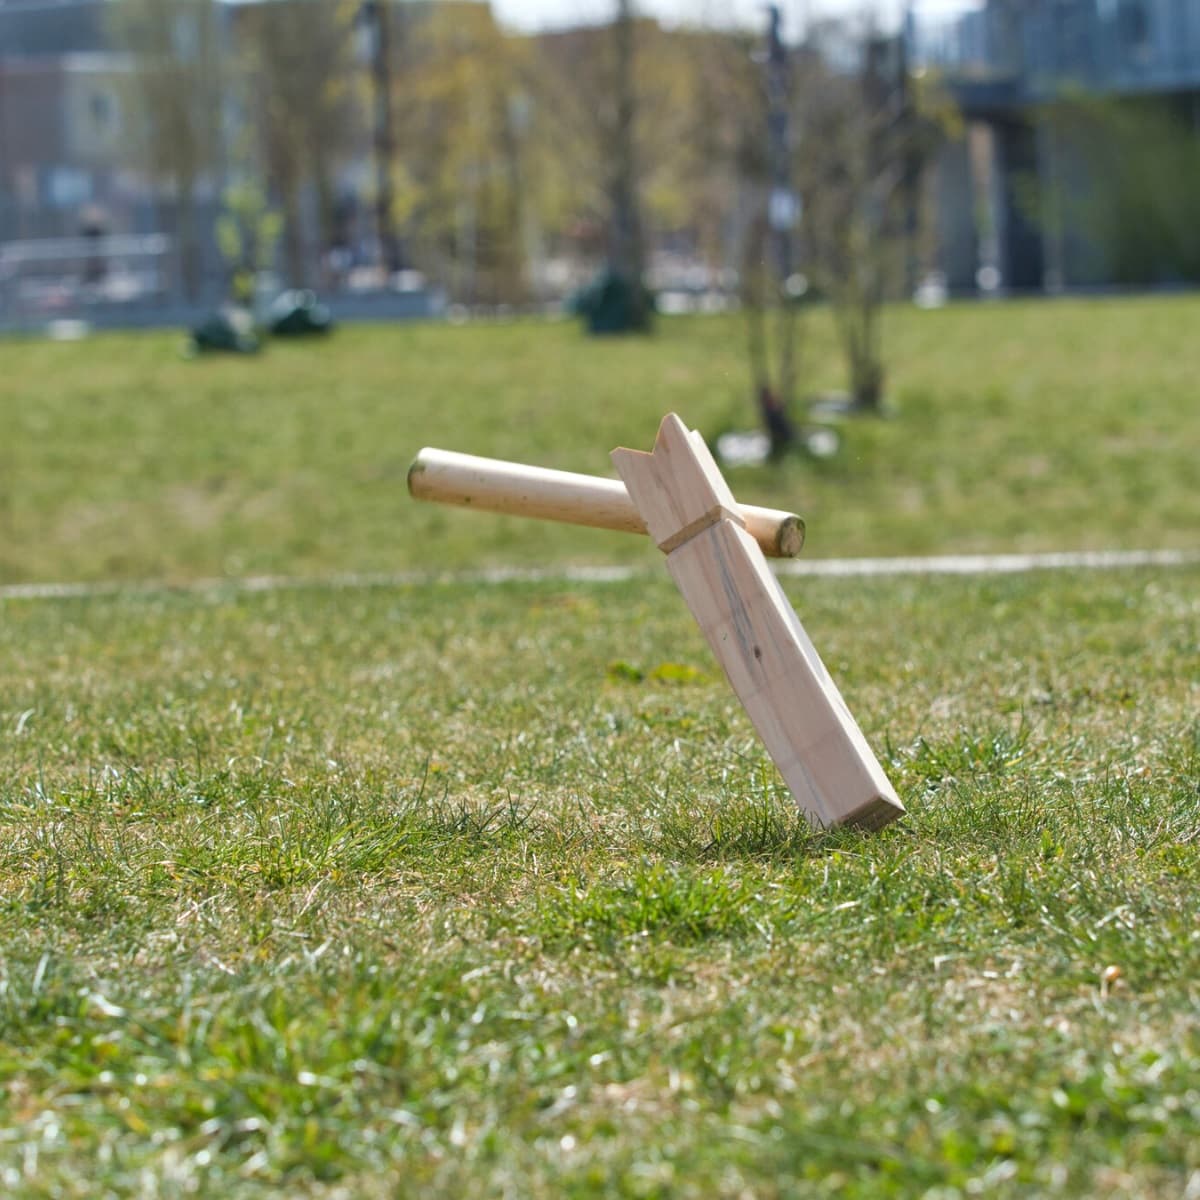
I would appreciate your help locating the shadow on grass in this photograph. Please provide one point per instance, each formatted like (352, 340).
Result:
(769, 829)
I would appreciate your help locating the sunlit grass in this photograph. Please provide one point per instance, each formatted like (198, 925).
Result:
(1027, 426)
(461, 890)
(468, 891)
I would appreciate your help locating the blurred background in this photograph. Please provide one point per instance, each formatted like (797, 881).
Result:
(419, 157)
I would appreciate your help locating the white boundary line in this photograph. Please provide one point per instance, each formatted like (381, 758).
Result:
(993, 564)
(836, 568)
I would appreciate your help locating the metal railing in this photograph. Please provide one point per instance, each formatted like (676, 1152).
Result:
(51, 277)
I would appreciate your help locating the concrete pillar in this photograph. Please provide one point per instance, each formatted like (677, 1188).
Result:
(987, 194)
(1050, 186)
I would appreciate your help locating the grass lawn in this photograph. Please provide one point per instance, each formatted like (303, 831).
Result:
(468, 892)
(460, 891)
(1071, 425)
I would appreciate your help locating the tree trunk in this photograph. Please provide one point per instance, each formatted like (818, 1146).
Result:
(293, 236)
(858, 322)
(326, 214)
(772, 390)
(868, 387)
(385, 138)
(627, 249)
(190, 271)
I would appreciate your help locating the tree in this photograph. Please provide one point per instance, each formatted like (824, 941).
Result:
(247, 231)
(177, 104)
(297, 59)
(865, 132)
(709, 129)
(1124, 176)
(464, 116)
(767, 267)
(735, 163)
(621, 147)
(377, 18)
(626, 243)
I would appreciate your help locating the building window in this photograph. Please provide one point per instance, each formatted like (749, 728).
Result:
(68, 187)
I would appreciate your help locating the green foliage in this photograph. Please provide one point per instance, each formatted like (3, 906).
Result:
(248, 231)
(864, 138)
(303, 99)
(175, 96)
(175, 84)
(1127, 180)
(468, 188)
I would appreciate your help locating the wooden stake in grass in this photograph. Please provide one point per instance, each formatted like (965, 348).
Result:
(754, 632)
(715, 552)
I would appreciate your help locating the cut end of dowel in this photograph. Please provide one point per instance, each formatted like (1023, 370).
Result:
(789, 539)
(415, 471)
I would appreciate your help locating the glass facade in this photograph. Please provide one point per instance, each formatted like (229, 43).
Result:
(1038, 48)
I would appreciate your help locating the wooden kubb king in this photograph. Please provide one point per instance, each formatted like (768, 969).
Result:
(677, 494)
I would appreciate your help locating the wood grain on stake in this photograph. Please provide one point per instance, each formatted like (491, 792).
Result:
(505, 487)
(755, 633)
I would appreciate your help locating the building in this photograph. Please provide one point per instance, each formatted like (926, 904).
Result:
(75, 209)
(84, 220)
(62, 157)
(1005, 61)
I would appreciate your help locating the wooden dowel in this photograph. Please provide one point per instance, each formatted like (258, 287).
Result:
(492, 485)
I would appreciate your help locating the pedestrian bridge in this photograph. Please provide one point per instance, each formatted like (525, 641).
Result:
(999, 54)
